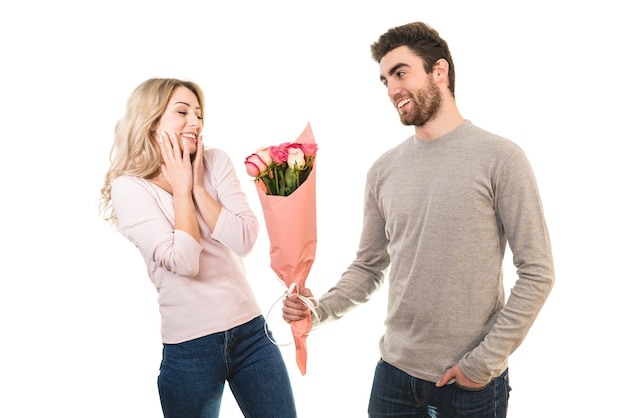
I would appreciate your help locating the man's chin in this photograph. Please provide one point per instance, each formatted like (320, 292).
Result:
(406, 120)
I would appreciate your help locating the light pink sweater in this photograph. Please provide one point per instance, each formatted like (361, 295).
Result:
(203, 287)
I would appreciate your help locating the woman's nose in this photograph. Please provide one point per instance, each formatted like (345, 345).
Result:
(194, 120)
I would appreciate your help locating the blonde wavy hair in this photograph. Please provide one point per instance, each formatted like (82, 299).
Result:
(135, 151)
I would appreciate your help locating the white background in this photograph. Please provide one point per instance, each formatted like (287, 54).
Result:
(79, 324)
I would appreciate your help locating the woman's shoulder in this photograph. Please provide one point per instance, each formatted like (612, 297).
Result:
(215, 153)
(125, 181)
(128, 184)
(217, 157)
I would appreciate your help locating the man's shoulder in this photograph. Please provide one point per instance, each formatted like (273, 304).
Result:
(489, 140)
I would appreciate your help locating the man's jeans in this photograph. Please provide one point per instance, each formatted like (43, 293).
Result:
(399, 395)
(193, 375)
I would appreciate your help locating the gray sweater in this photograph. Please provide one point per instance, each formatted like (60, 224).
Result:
(438, 214)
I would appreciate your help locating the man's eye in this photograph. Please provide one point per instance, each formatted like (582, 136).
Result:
(400, 74)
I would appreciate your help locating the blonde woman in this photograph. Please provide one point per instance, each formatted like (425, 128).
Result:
(182, 205)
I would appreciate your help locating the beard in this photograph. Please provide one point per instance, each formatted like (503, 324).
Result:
(426, 105)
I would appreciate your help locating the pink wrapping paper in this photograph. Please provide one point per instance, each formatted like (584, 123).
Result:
(291, 223)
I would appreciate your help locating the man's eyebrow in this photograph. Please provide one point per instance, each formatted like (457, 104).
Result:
(394, 70)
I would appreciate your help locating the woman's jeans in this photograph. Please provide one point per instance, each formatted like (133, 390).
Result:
(399, 395)
(193, 374)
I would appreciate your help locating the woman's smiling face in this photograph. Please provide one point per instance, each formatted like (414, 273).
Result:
(182, 117)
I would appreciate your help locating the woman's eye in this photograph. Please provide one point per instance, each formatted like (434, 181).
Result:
(182, 113)
(200, 117)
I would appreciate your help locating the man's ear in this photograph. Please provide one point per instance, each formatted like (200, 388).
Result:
(440, 69)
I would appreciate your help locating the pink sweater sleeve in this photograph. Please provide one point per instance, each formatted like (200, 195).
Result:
(146, 219)
(237, 227)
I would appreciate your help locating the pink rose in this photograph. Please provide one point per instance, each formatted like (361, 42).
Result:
(255, 165)
(280, 153)
(309, 149)
(265, 154)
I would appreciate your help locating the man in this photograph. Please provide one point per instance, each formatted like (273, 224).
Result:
(439, 210)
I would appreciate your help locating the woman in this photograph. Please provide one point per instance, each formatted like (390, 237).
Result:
(183, 207)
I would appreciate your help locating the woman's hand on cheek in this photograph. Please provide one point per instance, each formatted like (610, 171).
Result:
(177, 164)
(198, 166)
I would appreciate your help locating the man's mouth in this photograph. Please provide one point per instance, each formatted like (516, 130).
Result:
(401, 104)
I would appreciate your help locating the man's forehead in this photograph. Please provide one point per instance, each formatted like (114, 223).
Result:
(400, 56)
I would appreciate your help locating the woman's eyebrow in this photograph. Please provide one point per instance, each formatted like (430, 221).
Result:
(187, 104)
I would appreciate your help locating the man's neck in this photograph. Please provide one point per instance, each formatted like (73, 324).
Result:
(448, 119)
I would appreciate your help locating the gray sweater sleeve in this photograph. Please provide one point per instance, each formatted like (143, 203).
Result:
(520, 211)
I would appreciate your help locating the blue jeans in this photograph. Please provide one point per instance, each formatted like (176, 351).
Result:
(397, 394)
(193, 374)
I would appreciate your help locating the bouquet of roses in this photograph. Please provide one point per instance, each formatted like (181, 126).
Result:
(282, 169)
(285, 181)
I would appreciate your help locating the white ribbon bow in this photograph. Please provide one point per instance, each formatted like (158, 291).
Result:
(293, 289)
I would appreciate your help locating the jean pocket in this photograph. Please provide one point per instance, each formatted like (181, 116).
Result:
(477, 389)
